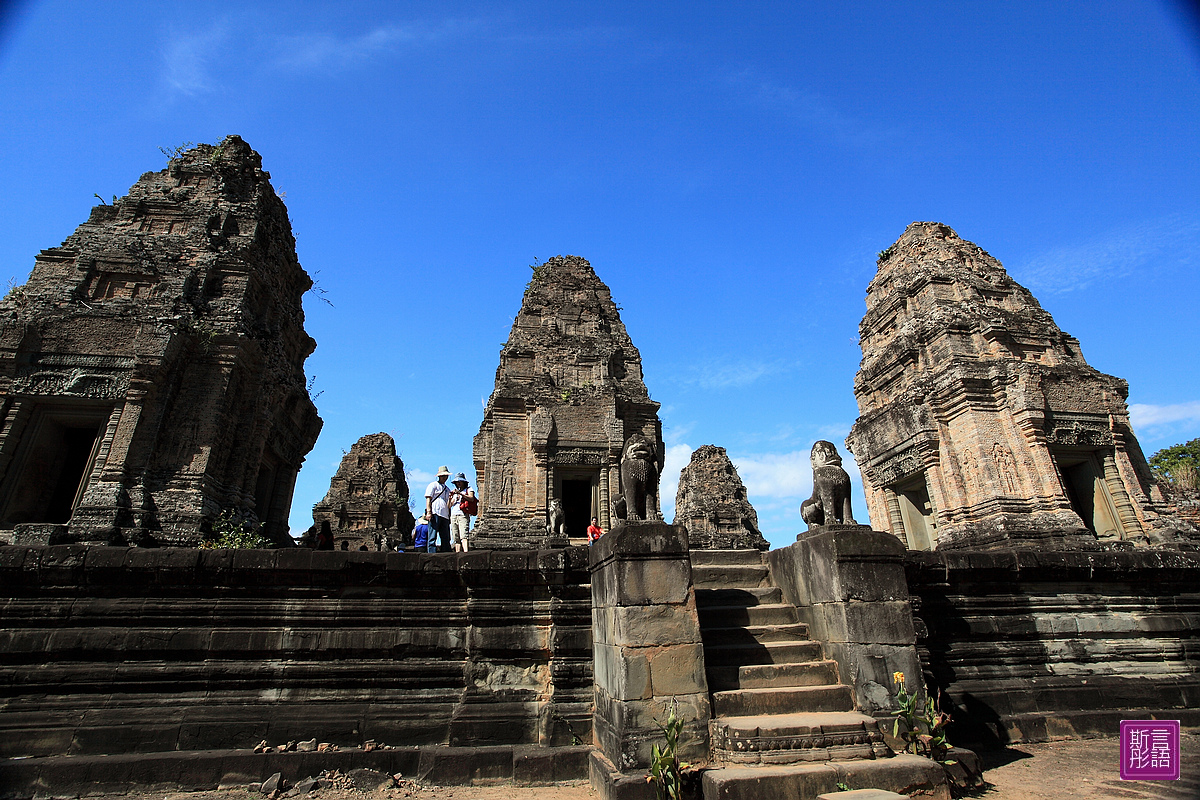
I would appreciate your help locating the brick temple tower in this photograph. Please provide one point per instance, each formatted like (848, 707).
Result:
(568, 393)
(152, 367)
(981, 423)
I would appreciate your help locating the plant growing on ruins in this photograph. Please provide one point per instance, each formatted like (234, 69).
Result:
(234, 530)
(1179, 466)
(924, 723)
(884, 255)
(540, 270)
(15, 293)
(666, 770)
(173, 153)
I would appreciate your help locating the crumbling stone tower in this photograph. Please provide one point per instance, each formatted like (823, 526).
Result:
(711, 502)
(152, 368)
(367, 500)
(568, 393)
(981, 423)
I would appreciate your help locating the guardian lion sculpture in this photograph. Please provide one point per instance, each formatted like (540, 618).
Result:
(639, 481)
(556, 519)
(830, 501)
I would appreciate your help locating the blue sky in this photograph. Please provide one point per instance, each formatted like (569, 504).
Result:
(730, 170)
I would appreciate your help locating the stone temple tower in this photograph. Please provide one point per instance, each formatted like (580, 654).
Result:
(152, 368)
(568, 394)
(981, 423)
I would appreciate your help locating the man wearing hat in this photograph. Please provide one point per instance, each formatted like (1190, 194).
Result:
(437, 511)
(460, 518)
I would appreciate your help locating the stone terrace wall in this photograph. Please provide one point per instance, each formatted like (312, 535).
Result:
(117, 650)
(1037, 645)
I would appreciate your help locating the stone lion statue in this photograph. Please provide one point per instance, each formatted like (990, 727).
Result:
(639, 481)
(830, 501)
(556, 519)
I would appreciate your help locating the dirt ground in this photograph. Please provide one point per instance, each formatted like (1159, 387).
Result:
(1082, 769)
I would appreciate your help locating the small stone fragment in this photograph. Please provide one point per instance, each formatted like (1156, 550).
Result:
(307, 747)
(368, 745)
(262, 747)
(272, 784)
(370, 780)
(323, 746)
(307, 785)
(290, 747)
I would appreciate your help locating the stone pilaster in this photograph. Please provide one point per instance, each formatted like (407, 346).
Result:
(847, 582)
(647, 652)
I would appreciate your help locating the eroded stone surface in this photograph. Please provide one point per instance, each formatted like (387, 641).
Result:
(981, 423)
(367, 501)
(568, 395)
(711, 502)
(152, 367)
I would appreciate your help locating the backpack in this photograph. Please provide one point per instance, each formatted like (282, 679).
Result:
(470, 505)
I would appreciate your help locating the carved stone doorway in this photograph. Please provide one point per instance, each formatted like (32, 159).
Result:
(1083, 481)
(578, 493)
(53, 463)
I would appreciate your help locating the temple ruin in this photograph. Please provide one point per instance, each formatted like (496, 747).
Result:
(568, 394)
(981, 423)
(152, 367)
(711, 502)
(367, 501)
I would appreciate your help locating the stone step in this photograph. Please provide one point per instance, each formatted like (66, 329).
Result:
(704, 558)
(730, 616)
(730, 576)
(754, 634)
(775, 700)
(769, 653)
(786, 738)
(903, 774)
(739, 597)
(761, 676)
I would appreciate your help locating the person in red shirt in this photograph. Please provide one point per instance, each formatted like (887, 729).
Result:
(594, 532)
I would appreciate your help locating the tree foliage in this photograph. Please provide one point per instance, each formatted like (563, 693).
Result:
(235, 531)
(1179, 465)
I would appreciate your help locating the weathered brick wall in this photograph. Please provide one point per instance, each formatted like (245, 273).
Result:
(1033, 645)
(113, 650)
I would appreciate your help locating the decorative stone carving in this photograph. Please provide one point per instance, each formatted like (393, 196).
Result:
(367, 501)
(152, 367)
(639, 481)
(568, 394)
(830, 501)
(556, 519)
(711, 504)
(981, 423)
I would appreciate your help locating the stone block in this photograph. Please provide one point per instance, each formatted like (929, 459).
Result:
(463, 766)
(623, 674)
(868, 670)
(677, 669)
(647, 625)
(888, 622)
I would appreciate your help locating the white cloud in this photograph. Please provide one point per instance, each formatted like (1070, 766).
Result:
(804, 106)
(716, 374)
(678, 456)
(1149, 245)
(1146, 415)
(418, 479)
(775, 475)
(187, 57)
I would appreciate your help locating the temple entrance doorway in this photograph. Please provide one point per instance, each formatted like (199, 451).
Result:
(578, 494)
(916, 511)
(53, 464)
(1083, 481)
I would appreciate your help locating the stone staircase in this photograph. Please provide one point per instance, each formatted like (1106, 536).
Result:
(783, 724)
